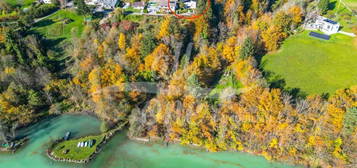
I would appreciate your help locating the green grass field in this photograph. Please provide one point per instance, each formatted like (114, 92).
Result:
(313, 65)
(23, 3)
(223, 83)
(74, 152)
(55, 27)
(351, 3)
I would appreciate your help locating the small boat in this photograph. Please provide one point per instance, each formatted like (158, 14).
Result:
(91, 143)
(67, 136)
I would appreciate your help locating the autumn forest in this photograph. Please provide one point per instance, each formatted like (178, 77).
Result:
(194, 82)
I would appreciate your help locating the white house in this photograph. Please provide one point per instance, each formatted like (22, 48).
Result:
(46, 1)
(190, 4)
(91, 2)
(127, 5)
(139, 5)
(107, 4)
(155, 6)
(323, 24)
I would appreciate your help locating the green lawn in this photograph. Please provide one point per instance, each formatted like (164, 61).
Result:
(342, 15)
(55, 27)
(131, 9)
(313, 65)
(23, 3)
(223, 83)
(352, 4)
(77, 153)
(134, 18)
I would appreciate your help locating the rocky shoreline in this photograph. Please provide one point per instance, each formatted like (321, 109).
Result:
(107, 137)
(159, 139)
(18, 145)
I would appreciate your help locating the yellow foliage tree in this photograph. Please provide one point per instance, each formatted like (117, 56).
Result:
(296, 13)
(121, 42)
(164, 28)
(272, 38)
(160, 60)
(230, 50)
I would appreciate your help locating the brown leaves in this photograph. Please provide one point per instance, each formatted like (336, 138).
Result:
(160, 61)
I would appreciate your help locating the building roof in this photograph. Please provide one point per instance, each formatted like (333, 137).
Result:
(139, 4)
(106, 3)
(330, 21)
(162, 3)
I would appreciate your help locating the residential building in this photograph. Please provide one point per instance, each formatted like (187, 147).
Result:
(106, 4)
(139, 5)
(161, 6)
(323, 24)
(190, 4)
(46, 1)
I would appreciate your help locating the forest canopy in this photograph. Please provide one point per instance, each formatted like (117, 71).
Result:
(190, 81)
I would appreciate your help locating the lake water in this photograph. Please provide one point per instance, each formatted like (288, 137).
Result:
(121, 152)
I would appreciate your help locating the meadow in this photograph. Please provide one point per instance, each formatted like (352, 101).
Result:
(62, 24)
(352, 4)
(69, 150)
(22, 3)
(312, 65)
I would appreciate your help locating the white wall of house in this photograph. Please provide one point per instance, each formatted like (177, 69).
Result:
(326, 27)
(330, 29)
(191, 4)
(108, 4)
(323, 24)
(91, 2)
(47, 1)
(139, 5)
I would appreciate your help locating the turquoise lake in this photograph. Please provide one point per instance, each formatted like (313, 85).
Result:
(121, 152)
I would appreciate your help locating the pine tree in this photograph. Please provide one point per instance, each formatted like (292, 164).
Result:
(82, 8)
(248, 49)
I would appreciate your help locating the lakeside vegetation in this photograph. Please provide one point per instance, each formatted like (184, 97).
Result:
(70, 150)
(82, 150)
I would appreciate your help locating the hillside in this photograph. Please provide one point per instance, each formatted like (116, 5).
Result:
(237, 75)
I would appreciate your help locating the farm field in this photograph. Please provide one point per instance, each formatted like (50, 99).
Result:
(313, 65)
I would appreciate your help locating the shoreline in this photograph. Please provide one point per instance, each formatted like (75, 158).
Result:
(108, 135)
(158, 140)
(19, 144)
(23, 139)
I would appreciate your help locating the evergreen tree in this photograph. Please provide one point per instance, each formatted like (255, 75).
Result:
(82, 8)
(148, 44)
(350, 121)
(248, 49)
